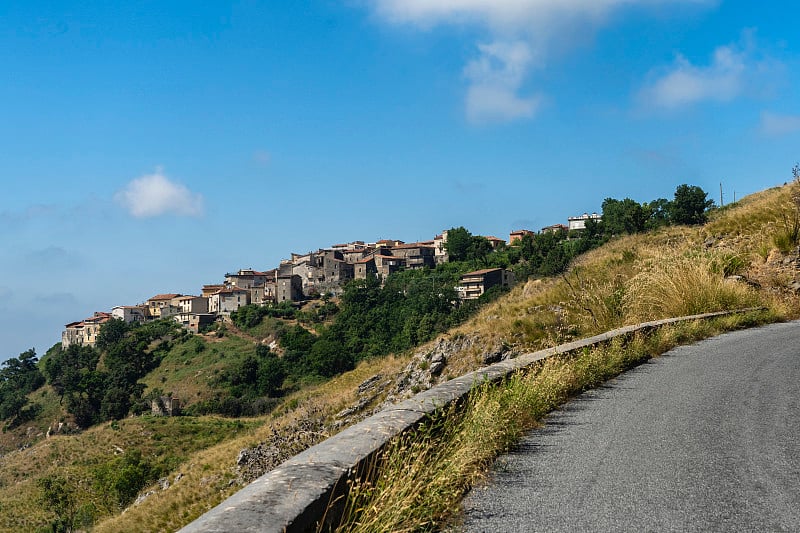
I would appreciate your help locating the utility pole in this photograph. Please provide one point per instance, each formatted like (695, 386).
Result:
(721, 203)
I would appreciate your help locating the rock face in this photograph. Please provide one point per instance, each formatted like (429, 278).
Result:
(280, 446)
(428, 366)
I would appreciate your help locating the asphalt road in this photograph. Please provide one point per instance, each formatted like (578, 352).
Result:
(704, 438)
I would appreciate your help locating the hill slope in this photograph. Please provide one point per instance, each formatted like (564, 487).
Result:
(741, 257)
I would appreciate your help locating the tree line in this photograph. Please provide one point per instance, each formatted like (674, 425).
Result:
(372, 318)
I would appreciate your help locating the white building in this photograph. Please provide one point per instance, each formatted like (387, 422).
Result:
(579, 222)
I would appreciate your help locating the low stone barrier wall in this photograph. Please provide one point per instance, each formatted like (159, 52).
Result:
(296, 495)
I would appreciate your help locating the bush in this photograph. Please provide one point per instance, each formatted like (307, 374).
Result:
(123, 477)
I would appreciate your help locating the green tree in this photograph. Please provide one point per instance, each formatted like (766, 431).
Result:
(271, 373)
(623, 216)
(658, 213)
(111, 333)
(19, 376)
(459, 242)
(123, 477)
(57, 496)
(690, 205)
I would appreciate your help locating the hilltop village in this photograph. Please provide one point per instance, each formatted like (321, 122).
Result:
(302, 277)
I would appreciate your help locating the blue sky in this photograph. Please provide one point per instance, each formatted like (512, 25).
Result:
(154, 147)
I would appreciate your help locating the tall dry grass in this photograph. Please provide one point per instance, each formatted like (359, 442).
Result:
(600, 292)
(418, 482)
(681, 284)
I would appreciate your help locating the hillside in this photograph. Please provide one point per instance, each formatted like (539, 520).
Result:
(745, 255)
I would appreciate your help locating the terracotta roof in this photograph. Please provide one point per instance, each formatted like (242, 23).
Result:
(413, 245)
(480, 272)
(163, 297)
(230, 290)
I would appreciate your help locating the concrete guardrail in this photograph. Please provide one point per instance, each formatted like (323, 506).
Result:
(296, 495)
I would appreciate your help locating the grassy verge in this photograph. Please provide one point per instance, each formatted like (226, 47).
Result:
(419, 480)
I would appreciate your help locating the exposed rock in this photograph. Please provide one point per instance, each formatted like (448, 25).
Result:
(709, 242)
(426, 368)
(280, 446)
(369, 384)
(736, 278)
(498, 353)
(142, 497)
(437, 367)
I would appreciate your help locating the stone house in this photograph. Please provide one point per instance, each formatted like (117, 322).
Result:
(130, 313)
(516, 236)
(354, 255)
(194, 321)
(247, 278)
(159, 306)
(365, 267)
(473, 285)
(289, 288)
(387, 264)
(208, 290)
(165, 406)
(440, 254)
(85, 332)
(227, 300)
(415, 255)
(192, 304)
(555, 228)
(337, 271)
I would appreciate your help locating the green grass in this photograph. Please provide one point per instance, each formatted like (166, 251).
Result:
(164, 442)
(189, 369)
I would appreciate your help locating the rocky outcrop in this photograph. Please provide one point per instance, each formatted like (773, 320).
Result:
(282, 444)
(428, 365)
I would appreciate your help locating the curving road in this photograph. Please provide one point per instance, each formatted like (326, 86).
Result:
(704, 438)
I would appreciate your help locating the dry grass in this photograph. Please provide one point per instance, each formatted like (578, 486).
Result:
(207, 475)
(416, 485)
(670, 284)
(419, 481)
(604, 289)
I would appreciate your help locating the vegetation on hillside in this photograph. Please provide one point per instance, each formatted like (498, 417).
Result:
(275, 360)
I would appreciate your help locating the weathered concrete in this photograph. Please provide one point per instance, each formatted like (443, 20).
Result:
(297, 494)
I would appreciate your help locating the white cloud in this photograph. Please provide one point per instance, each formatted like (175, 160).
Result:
(503, 15)
(775, 124)
(495, 78)
(684, 84)
(154, 194)
(521, 30)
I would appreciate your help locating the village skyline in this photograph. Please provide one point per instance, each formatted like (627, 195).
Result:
(146, 148)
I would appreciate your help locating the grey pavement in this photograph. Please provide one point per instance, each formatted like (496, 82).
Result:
(703, 438)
